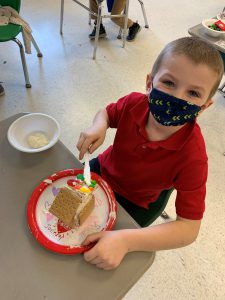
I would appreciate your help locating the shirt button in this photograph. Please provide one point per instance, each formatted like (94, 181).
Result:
(144, 147)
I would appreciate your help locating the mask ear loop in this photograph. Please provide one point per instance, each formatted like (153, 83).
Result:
(152, 78)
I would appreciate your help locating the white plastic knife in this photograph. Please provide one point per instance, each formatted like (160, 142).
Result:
(87, 172)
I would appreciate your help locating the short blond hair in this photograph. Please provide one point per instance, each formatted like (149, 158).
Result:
(197, 50)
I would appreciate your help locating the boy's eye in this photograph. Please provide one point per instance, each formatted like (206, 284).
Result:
(194, 94)
(168, 83)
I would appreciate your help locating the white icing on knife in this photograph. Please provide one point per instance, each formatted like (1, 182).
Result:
(87, 172)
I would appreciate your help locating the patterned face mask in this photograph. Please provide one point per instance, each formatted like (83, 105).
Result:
(171, 111)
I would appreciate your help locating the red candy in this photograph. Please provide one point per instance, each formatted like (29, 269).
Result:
(71, 182)
(221, 25)
(77, 187)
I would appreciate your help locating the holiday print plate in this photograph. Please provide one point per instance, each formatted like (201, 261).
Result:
(50, 232)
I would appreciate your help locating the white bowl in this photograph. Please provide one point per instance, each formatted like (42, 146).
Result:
(26, 125)
(212, 32)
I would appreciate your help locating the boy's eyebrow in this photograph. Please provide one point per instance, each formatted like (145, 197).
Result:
(174, 78)
(169, 75)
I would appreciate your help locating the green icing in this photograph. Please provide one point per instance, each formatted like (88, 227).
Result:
(80, 176)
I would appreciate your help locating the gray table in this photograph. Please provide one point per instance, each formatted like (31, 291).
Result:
(198, 31)
(27, 270)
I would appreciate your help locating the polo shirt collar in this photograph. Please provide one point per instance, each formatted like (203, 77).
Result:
(176, 141)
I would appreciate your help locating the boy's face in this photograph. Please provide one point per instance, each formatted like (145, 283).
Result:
(182, 78)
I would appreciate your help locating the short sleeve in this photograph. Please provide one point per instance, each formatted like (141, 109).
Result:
(191, 190)
(119, 110)
(115, 111)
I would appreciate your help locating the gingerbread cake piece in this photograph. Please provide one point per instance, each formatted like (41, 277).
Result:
(72, 207)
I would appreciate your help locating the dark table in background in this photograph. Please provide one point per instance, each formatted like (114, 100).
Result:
(27, 270)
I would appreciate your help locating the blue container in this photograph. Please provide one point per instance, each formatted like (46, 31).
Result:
(110, 5)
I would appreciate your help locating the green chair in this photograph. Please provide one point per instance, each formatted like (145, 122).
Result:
(145, 217)
(10, 32)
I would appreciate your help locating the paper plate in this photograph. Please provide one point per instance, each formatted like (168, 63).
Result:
(53, 234)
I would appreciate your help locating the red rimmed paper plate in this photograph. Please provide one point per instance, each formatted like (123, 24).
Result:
(53, 234)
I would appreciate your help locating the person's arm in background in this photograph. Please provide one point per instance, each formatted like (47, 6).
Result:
(93, 137)
(112, 246)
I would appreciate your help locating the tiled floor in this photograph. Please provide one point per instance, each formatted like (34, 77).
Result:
(70, 86)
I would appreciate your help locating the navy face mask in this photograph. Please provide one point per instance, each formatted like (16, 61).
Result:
(171, 111)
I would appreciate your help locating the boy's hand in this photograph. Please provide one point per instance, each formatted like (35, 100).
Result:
(109, 251)
(90, 140)
(94, 136)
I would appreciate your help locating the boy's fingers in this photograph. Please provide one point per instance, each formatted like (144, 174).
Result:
(92, 238)
(95, 146)
(104, 266)
(96, 260)
(83, 145)
(80, 141)
(88, 145)
(84, 148)
(90, 255)
(81, 155)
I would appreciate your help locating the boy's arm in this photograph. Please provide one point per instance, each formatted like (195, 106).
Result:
(112, 246)
(94, 136)
(175, 234)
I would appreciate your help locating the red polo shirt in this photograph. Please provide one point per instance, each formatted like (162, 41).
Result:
(139, 169)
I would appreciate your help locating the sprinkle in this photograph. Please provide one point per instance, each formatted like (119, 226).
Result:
(77, 180)
(71, 182)
(77, 187)
(85, 190)
(80, 176)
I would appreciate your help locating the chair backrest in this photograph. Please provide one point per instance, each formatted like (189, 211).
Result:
(12, 3)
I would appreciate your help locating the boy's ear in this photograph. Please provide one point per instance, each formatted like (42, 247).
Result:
(208, 103)
(148, 83)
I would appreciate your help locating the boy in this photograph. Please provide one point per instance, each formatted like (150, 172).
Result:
(118, 7)
(158, 145)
